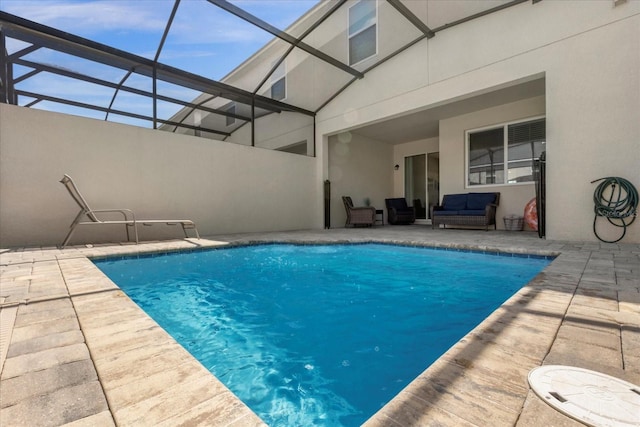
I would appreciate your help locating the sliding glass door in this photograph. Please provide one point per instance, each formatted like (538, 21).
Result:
(415, 189)
(422, 182)
(433, 181)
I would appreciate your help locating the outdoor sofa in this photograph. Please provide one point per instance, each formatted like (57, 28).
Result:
(472, 209)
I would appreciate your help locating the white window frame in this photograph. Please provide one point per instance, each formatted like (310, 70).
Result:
(278, 74)
(350, 35)
(505, 127)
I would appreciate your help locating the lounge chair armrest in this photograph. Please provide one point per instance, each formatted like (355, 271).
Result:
(124, 212)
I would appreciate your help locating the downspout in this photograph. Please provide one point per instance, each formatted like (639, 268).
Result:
(253, 122)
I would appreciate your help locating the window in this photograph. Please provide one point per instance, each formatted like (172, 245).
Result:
(279, 83)
(362, 31)
(230, 119)
(486, 159)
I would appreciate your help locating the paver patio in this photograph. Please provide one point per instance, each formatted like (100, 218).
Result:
(74, 350)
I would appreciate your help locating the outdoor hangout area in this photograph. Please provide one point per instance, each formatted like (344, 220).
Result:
(234, 149)
(137, 134)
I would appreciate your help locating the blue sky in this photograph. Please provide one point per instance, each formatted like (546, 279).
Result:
(203, 39)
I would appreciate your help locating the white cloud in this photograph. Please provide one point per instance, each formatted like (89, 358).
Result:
(86, 17)
(197, 21)
(279, 13)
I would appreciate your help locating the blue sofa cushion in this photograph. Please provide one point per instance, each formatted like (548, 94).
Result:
(454, 202)
(472, 212)
(446, 213)
(479, 201)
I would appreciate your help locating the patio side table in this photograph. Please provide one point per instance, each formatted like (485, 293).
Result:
(381, 213)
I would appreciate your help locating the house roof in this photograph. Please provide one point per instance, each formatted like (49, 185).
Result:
(308, 47)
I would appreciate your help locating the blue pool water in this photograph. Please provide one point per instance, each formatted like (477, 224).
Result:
(319, 335)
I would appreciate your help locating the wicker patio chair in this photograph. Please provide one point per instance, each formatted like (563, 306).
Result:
(363, 215)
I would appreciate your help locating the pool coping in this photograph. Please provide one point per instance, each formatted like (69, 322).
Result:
(146, 377)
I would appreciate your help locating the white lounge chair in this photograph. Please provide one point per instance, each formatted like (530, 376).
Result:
(128, 221)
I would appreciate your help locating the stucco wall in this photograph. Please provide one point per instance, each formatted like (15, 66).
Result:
(593, 117)
(591, 66)
(360, 168)
(276, 131)
(223, 187)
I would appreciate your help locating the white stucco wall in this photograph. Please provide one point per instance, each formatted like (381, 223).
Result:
(589, 55)
(277, 131)
(223, 187)
(593, 117)
(360, 168)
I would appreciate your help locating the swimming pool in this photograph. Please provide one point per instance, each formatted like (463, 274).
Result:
(319, 335)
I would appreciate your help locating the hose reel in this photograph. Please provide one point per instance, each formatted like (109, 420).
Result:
(616, 199)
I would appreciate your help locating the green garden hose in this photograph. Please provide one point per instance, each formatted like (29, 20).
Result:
(616, 199)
